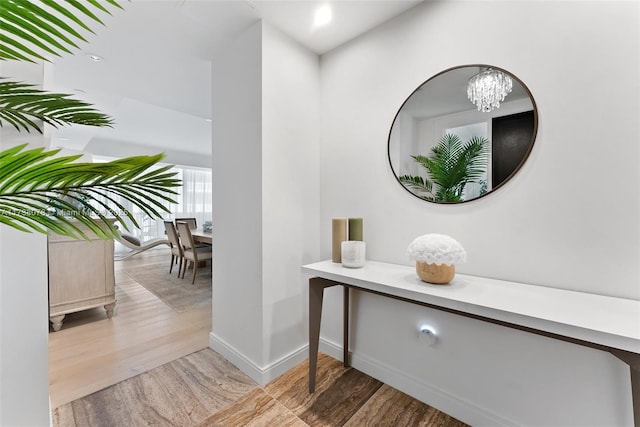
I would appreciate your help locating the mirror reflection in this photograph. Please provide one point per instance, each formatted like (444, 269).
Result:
(462, 134)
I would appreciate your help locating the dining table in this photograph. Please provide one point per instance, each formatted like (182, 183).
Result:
(201, 236)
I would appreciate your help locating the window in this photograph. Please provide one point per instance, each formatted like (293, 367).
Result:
(193, 200)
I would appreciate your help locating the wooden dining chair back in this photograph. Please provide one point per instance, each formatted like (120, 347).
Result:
(177, 253)
(193, 224)
(190, 251)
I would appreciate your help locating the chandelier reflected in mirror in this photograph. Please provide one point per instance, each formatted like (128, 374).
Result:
(488, 88)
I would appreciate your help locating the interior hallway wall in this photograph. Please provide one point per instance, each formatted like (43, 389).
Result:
(265, 199)
(237, 195)
(569, 219)
(290, 189)
(24, 305)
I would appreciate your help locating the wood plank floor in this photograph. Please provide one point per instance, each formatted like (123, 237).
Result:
(92, 352)
(203, 389)
(150, 365)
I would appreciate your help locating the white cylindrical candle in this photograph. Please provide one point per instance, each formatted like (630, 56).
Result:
(353, 253)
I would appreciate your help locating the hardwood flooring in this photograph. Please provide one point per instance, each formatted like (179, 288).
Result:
(203, 389)
(150, 365)
(92, 352)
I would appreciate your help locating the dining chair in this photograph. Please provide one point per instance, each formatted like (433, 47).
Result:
(193, 224)
(176, 248)
(190, 251)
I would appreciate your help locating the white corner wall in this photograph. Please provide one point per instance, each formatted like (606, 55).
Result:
(290, 191)
(237, 198)
(569, 219)
(24, 329)
(265, 199)
(24, 304)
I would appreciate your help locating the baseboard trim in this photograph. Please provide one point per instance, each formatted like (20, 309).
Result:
(261, 375)
(446, 402)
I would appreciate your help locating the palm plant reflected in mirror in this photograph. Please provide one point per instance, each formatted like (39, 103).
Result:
(452, 170)
(443, 149)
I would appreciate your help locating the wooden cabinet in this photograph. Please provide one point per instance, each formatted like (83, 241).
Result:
(81, 276)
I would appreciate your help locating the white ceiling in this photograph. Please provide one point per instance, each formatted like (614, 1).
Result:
(155, 77)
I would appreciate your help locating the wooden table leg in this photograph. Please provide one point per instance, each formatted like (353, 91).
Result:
(345, 332)
(635, 394)
(633, 360)
(316, 294)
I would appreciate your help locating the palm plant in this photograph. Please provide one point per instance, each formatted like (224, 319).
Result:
(40, 190)
(450, 167)
(28, 32)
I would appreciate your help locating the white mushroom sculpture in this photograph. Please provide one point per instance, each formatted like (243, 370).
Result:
(436, 256)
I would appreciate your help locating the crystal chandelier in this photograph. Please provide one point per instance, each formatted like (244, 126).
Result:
(488, 88)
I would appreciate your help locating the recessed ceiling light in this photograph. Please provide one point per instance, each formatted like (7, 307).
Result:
(94, 57)
(323, 16)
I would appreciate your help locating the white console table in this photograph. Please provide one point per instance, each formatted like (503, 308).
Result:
(601, 322)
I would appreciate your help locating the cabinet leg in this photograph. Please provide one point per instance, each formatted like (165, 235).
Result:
(109, 309)
(57, 322)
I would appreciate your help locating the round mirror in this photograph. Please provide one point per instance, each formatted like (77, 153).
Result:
(462, 134)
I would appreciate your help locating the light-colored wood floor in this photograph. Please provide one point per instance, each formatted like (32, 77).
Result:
(92, 352)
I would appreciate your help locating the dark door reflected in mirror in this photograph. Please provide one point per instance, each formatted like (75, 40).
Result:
(462, 134)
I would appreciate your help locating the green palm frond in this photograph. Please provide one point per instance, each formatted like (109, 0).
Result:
(40, 191)
(474, 157)
(423, 185)
(451, 165)
(30, 30)
(447, 169)
(23, 105)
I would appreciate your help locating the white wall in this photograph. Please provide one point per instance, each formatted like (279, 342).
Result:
(290, 188)
(24, 329)
(569, 219)
(237, 196)
(24, 306)
(265, 199)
